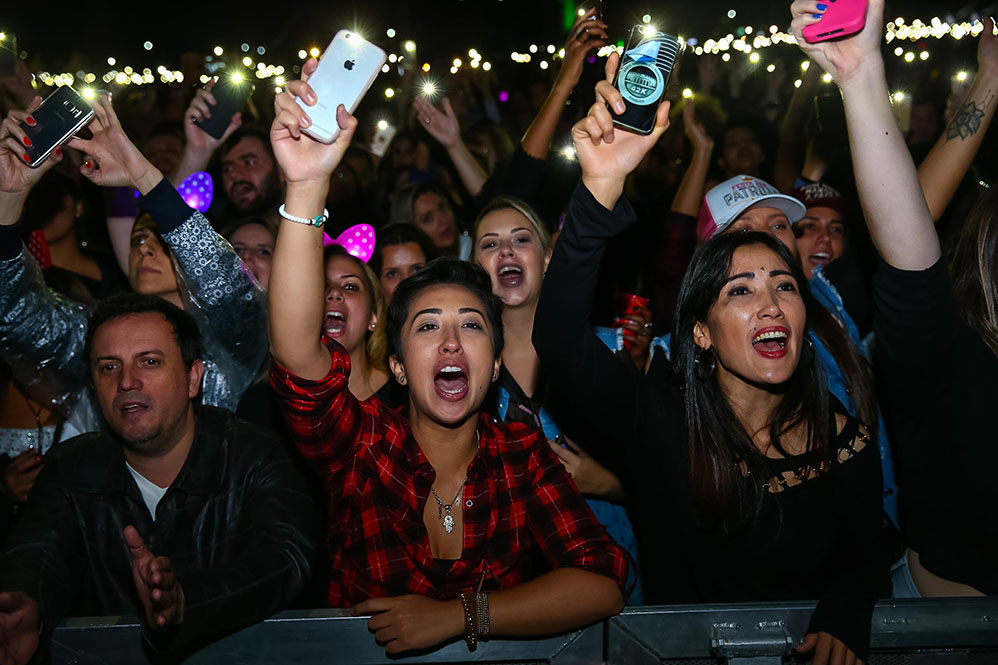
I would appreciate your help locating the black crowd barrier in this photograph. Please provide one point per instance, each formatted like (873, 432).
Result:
(908, 632)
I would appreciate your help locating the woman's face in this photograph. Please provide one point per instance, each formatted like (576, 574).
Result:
(150, 271)
(397, 263)
(433, 215)
(821, 238)
(510, 251)
(448, 360)
(254, 244)
(348, 316)
(757, 326)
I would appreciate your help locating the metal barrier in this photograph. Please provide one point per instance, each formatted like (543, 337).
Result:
(909, 632)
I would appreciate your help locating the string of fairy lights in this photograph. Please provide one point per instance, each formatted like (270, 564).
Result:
(748, 41)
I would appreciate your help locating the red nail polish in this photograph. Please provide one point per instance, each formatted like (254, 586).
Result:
(30, 121)
(27, 158)
(58, 151)
(27, 141)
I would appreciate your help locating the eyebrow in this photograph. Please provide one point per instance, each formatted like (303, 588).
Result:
(751, 275)
(438, 311)
(153, 352)
(516, 230)
(245, 155)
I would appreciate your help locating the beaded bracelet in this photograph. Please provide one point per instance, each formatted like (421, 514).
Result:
(469, 602)
(483, 616)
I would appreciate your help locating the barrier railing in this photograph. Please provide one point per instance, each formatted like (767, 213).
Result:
(909, 632)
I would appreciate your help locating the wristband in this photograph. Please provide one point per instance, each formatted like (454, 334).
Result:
(317, 222)
(483, 616)
(469, 602)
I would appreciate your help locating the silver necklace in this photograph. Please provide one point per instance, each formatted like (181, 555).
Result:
(448, 519)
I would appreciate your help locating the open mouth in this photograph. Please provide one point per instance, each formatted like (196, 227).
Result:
(132, 408)
(334, 324)
(242, 189)
(820, 259)
(771, 342)
(451, 382)
(510, 276)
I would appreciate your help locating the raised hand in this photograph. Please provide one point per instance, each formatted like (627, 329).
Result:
(112, 158)
(403, 623)
(19, 621)
(605, 155)
(842, 58)
(19, 475)
(698, 136)
(16, 177)
(440, 123)
(200, 109)
(303, 159)
(586, 34)
(987, 50)
(157, 586)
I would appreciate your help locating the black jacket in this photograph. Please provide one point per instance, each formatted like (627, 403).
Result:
(237, 525)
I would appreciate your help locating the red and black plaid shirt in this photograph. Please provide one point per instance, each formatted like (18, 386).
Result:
(523, 515)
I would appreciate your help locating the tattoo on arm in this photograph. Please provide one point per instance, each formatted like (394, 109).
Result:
(967, 121)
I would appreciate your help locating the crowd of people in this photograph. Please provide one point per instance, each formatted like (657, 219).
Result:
(717, 367)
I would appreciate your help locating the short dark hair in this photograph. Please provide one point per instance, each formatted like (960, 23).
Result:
(444, 270)
(248, 132)
(185, 328)
(400, 234)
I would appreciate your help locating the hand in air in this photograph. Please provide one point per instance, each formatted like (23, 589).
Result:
(157, 586)
(586, 34)
(302, 158)
(441, 123)
(200, 109)
(842, 58)
(16, 177)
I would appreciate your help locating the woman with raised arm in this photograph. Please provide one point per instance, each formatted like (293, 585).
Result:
(750, 483)
(431, 507)
(937, 346)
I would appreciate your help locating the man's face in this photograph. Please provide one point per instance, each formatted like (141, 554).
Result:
(249, 176)
(143, 388)
(767, 220)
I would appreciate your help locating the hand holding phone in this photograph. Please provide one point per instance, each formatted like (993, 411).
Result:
(229, 94)
(841, 19)
(841, 55)
(345, 73)
(643, 77)
(16, 178)
(54, 122)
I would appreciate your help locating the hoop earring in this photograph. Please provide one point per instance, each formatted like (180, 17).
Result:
(707, 367)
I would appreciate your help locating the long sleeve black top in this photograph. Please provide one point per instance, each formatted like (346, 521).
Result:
(816, 539)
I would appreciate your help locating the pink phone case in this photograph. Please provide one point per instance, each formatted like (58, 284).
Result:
(843, 18)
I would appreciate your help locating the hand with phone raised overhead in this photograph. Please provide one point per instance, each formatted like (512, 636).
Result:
(587, 33)
(302, 158)
(843, 58)
(607, 155)
(200, 144)
(16, 177)
(112, 158)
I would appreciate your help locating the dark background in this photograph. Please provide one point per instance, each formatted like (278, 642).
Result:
(67, 36)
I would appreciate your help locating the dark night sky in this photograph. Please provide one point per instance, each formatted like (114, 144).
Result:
(443, 28)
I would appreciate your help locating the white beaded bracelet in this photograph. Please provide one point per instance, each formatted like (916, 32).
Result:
(317, 222)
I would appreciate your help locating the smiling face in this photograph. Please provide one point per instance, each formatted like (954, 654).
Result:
(143, 388)
(756, 327)
(348, 316)
(767, 220)
(434, 217)
(150, 271)
(448, 359)
(821, 238)
(508, 247)
(254, 244)
(397, 263)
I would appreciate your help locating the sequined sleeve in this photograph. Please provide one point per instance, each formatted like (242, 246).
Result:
(230, 306)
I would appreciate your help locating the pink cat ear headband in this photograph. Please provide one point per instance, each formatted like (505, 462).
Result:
(357, 240)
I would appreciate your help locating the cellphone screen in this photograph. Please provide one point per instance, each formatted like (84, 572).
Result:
(643, 77)
(230, 96)
(62, 114)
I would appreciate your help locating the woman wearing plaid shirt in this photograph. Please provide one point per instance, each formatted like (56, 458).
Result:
(430, 507)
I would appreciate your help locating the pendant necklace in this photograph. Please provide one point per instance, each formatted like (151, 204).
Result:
(448, 519)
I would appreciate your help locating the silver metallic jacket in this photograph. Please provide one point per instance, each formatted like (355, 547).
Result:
(42, 332)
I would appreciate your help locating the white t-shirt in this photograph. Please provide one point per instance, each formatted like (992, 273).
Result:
(151, 492)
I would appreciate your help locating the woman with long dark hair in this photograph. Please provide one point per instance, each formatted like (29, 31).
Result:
(749, 483)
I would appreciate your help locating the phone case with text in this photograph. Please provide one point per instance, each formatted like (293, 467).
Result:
(643, 77)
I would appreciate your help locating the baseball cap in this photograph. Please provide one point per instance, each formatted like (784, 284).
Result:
(725, 203)
(816, 194)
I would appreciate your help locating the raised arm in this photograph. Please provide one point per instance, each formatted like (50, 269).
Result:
(296, 279)
(586, 34)
(442, 125)
(950, 158)
(690, 193)
(790, 152)
(892, 199)
(200, 145)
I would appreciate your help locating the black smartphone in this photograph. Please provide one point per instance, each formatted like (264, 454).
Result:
(8, 55)
(643, 76)
(60, 116)
(231, 93)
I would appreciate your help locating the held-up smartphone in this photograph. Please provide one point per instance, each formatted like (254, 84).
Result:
(643, 76)
(60, 116)
(843, 18)
(345, 73)
(231, 93)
